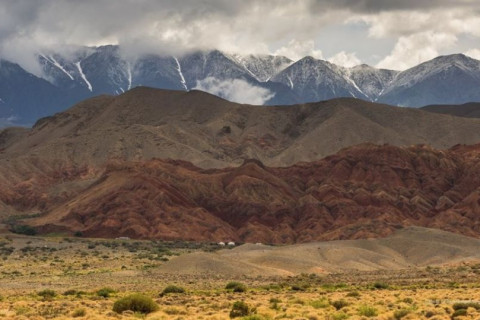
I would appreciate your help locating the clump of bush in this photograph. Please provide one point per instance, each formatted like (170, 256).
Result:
(23, 229)
(399, 314)
(466, 305)
(136, 303)
(367, 311)
(380, 285)
(105, 292)
(70, 292)
(339, 304)
(47, 294)
(299, 287)
(236, 286)
(240, 309)
(80, 312)
(319, 304)
(354, 294)
(458, 313)
(172, 289)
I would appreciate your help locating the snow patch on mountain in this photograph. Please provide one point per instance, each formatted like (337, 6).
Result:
(236, 90)
(129, 75)
(55, 63)
(182, 78)
(79, 67)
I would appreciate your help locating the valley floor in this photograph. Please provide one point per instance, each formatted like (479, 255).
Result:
(63, 278)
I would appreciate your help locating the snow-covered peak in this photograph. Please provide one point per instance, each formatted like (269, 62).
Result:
(371, 81)
(412, 76)
(262, 66)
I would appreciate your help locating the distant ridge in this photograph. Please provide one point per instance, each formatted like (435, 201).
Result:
(88, 72)
(211, 132)
(467, 110)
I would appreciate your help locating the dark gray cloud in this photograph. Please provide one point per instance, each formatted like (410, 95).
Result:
(285, 26)
(375, 6)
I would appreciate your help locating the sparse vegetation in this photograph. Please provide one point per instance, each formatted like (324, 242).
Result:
(339, 304)
(80, 312)
(136, 303)
(59, 260)
(172, 289)
(47, 294)
(105, 292)
(240, 309)
(367, 311)
(236, 286)
(23, 229)
(399, 314)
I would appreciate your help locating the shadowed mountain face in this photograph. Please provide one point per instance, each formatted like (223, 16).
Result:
(468, 110)
(361, 192)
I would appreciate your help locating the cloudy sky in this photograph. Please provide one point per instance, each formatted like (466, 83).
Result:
(394, 34)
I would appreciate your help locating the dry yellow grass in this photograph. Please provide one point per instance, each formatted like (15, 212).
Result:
(84, 266)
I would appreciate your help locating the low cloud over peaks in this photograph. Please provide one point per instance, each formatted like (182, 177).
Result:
(318, 28)
(235, 90)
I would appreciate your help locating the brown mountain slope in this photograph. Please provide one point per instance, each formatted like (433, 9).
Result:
(210, 132)
(467, 110)
(360, 192)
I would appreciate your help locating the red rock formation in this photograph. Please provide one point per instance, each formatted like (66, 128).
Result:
(363, 191)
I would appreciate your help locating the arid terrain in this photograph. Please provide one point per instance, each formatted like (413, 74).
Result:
(414, 274)
(340, 209)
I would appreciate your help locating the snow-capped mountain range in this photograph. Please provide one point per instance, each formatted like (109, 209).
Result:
(67, 79)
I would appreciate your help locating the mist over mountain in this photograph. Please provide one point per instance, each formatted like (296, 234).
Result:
(253, 79)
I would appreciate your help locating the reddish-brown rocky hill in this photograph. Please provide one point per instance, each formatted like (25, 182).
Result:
(90, 169)
(360, 192)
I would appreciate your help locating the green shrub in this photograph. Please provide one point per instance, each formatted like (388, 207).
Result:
(70, 292)
(105, 292)
(80, 312)
(380, 285)
(23, 229)
(399, 314)
(339, 316)
(466, 305)
(239, 309)
(458, 313)
(339, 304)
(408, 300)
(254, 317)
(319, 304)
(236, 286)
(354, 294)
(136, 303)
(367, 311)
(47, 294)
(172, 289)
(299, 287)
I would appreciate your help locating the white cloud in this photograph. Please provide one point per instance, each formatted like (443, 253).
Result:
(473, 53)
(247, 26)
(235, 90)
(296, 50)
(345, 59)
(417, 48)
